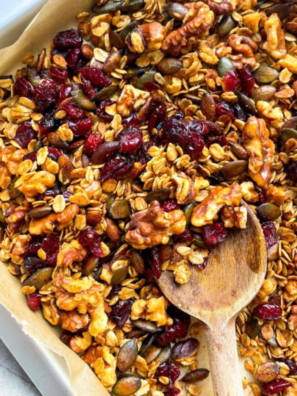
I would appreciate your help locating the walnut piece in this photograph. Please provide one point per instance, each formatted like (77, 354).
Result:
(248, 192)
(207, 54)
(275, 44)
(69, 253)
(275, 195)
(245, 47)
(260, 149)
(19, 248)
(105, 366)
(222, 8)
(130, 99)
(10, 158)
(153, 226)
(32, 184)
(73, 321)
(148, 35)
(207, 211)
(50, 312)
(185, 192)
(153, 309)
(81, 344)
(197, 27)
(15, 215)
(234, 217)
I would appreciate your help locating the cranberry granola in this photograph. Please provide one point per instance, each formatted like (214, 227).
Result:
(126, 149)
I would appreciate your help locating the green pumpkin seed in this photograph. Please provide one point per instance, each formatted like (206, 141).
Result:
(169, 65)
(147, 343)
(134, 71)
(119, 276)
(151, 354)
(226, 25)
(127, 29)
(115, 40)
(136, 333)
(146, 325)
(287, 134)
(120, 209)
(132, 6)
(224, 66)
(128, 374)
(109, 6)
(89, 265)
(40, 211)
(83, 101)
(246, 103)
(196, 375)
(164, 354)
(239, 151)
(158, 195)
(126, 386)
(40, 278)
(269, 211)
(282, 10)
(146, 77)
(253, 328)
(127, 355)
(111, 62)
(176, 11)
(198, 240)
(265, 75)
(32, 76)
(14, 192)
(106, 92)
(234, 168)
(188, 210)
(137, 262)
(265, 93)
(291, 123)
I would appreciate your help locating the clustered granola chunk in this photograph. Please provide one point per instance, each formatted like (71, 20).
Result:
(126, 149)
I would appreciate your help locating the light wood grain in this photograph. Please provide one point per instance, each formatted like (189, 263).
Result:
(232, 278)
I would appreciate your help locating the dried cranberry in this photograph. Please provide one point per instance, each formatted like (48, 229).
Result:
(142, 156)
(48, 123)
(170, 205)
(67, 194)
(88, 87)
(33, 247)
(268, 311)
(50, 192)
(195, 145)
(184, 237)
(24, 134)
(23, 87)
(51, 244)
(221, 140)
(223, 108)
(269, 232)
(202, 266)
(231, 82)
(58, 75)
(214, 234)
(34, 301)
(68, 39)
(291, 364)
(172, 391)
(65, 337)
(239, 112)
(31, 264)
(167, 336)
(130, 140)
(65, 92)
(45, 94)
(247, 80)
(73, 109)
(158, 115)
(95, 76)
(170, 370)
(275, 387)
(262, 197)
(93, 141)
(91, 239)
(292, 170)
(79, 127)
(181, 321)
(175, 131)
(73, 57)
(54, 153)
(121, 312)
(116, 168)
(152, 259)
(130, 121)
(101, 113)
(31, 156)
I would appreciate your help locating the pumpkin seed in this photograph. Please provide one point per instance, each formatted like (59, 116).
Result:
(136, 333)
(226, 25)
(287, 134)
(246, 103)
(127, 355)
(120, 209)
(105, 151)
(132, 6)
(265, 75)
(106, 92)
(126, 386)
(184, 349)
(164, 354)
(169, 65)
(39, 278)
(147, 343)
(127, 374)
(176, 11)
(146, 77)
(253, 328)
(224, 66)
(238, 150)
(291, 123)
(127, 29)
(137, 262)
(115, 40)
(196, 375)
(234, 168)
(208, 107)
(268, 211)
(14, 192)
(119, 276)
(198, 240)
(111, 62)
(158, 195)
(134, 71)
(282, 10)
(151, 354)
(83, 101)
(146, 325)
(89, 265)
(265, 93)
(109, 6)
(188, 210)
(40, 211)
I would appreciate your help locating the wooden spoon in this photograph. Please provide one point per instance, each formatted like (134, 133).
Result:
(233, 276)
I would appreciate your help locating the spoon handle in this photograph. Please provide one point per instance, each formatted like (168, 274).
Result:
(224, 364)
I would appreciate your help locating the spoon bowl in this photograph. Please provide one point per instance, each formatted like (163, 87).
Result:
(233, 276)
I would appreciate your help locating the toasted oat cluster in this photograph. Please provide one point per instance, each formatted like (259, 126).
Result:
(126, 149)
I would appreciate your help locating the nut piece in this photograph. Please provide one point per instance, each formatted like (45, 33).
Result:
(185, 192)
(69, 253)
(154, 226)
(72, 321)
(19, 248)
(222, 8)
(234, 217)
(148, 35)
(260, 149)
(197, 27)
(275, 195)
(275, 44)
(206, 212)
(112, 230)
(245, 47)
(154, 310)
(131, 99)
(35, 183)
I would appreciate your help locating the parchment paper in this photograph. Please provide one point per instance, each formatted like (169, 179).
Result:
(55, 16)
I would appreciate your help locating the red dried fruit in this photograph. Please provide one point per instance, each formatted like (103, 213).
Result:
(157, 116)
(167, 336)
(93, 142)
(79, 127)
(202, 266)
(170, 205)
(184, 237)
(101, 113)
(22, 87)
(45, 94)
(150, 86)
(88, 87)
(181, 321)
(275, 387)
(51, 244)
(291, 364)
(91, 239)
(170, 370)
(142, 156)
(54, 153)
(231, 82)
(68, 39)
(269, 232)
(58, 75)
(116, 168)
(130, 121)
(292, 170)
(73, 109)
(239, 112)
(31, 264)
(121, 311)
(223, 108)
(268, 311)
(247, 80)
(130, 140)
(48, 123)
(195, 145)
(95, 76)
(214, 234)
(175, 131)
(65, 92)
(50, 192)
(24, 134)
(65, 337)
(152, 259)
(73, 58)
(33, 301)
